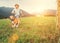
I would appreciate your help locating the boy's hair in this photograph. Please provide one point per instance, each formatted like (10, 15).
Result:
(16, 4)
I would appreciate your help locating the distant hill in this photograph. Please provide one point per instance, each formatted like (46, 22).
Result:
(50, 12)
(5, 12)
(25, 14)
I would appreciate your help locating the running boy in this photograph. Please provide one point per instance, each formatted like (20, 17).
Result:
(16, 14)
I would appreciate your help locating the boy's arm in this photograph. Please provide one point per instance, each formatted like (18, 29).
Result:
(20, 11)
(13, 12)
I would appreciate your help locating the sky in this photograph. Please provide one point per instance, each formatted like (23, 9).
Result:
(31, 6)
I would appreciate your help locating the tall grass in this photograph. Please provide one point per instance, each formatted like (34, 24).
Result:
(31, 30)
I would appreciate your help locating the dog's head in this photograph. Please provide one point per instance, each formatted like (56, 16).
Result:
(12, 17)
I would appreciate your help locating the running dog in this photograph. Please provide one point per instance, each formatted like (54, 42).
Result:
(14, 21)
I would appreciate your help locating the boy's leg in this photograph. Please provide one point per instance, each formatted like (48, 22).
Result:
(18, 21)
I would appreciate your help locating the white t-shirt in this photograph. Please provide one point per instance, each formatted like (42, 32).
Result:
(16, 12)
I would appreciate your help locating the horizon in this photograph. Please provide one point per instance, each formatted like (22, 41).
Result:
(31, 6)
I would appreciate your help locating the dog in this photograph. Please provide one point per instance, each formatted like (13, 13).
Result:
(14, 21)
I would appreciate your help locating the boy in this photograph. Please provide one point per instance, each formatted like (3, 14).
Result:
(16, 15)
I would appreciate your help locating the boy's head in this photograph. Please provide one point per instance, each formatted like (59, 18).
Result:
(16, 6)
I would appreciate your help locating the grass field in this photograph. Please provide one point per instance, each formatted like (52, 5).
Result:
(31, 30)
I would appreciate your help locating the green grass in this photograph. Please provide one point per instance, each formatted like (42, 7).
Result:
(30, 30)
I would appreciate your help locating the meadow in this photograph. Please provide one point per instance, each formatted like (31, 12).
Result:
(30, 30)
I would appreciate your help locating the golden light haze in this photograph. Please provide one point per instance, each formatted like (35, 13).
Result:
(31, 5)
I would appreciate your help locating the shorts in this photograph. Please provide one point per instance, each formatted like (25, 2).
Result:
(17, 16)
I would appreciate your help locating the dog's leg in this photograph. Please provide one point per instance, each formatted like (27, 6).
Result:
(13, 24)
